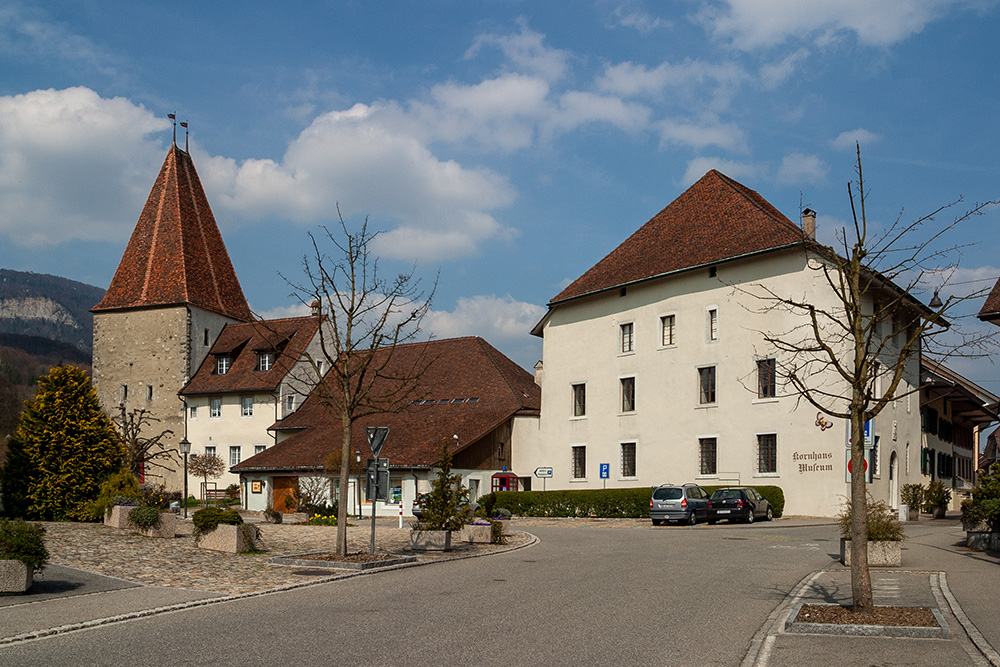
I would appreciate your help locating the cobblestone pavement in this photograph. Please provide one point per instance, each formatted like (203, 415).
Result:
(177, 563)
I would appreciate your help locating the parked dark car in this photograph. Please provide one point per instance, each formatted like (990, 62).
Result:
(738, 504)
(687, 503)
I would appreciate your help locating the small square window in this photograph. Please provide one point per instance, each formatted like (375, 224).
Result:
(628, 394)
(222, 363)
(579, 468)
(627, 335)
(246, 404)
(579, 400)
(628, 459)
(667, 326)
(209, 450)
(257, 449)
(706, 385)
(215, 410)
(193, 412)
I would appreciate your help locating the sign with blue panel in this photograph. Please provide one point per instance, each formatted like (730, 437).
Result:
(605, 470)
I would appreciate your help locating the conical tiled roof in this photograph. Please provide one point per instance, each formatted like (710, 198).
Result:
(176, 254)
(714, 220)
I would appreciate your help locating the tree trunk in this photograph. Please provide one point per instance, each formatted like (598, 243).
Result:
(344, 489)
(861, 581)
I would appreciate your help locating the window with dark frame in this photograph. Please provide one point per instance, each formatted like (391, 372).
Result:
(579, 462)
(579, 400)
(706, 385)
(149, 392)
(767, 453)
(628, 394)
(767, 378)
(708, 456)
(628, 459)
(222, 364)
(627, 332)
(265, 360)
(713, 324)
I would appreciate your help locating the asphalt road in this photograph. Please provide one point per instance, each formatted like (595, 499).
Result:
(588, 593)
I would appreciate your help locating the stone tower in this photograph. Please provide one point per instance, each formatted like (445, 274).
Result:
(174, 290)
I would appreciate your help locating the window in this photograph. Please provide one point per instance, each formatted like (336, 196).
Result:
(265, 360)
(124, 393)
(667, 330)
(579, 467)
(767, 375)
(628, 459)
(247, 406)
(767, 453)
(222, 364)
(289, 402)
(209, 450)
(579, 400)
(706, 385)
(707, 456)
(627, 332)
(235, 454)
(628, 394)
(206, 337)
(215, 410)
(257, 449)
(149, 392)
(713, 324)
(193, 412)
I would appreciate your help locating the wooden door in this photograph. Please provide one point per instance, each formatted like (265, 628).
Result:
(282, 491)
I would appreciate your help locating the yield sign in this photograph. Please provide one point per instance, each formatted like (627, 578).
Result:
(376, 438)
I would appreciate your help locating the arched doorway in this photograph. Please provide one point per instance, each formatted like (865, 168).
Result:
(893, 481)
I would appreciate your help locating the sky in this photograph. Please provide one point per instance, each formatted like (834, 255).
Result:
(502, 147)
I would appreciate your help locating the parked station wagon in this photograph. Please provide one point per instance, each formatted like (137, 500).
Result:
(687, 503)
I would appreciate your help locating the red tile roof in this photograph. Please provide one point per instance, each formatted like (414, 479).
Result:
(176, 254)
(460, 369)
(714, 220)
(990, 311)
(287, 337)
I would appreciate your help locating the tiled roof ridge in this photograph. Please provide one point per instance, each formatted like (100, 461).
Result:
(494, 355)
(214, 282)
(757, 200)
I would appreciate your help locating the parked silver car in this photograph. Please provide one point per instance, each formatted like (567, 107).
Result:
(687, 503)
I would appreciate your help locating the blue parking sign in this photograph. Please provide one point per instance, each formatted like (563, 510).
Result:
(605, 470)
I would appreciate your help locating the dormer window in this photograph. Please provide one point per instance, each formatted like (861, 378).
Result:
(222, 364)
(265, 360)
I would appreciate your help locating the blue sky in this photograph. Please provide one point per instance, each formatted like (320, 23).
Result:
(508, 145)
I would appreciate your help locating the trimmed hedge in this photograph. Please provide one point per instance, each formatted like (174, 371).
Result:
(602, 503)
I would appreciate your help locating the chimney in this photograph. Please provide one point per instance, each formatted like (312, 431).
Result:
(315, 308)
(809, 223)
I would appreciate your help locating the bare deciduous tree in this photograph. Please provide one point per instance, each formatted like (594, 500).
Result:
(206, 465)
(848, 354)
(365, 318)
(141, 451)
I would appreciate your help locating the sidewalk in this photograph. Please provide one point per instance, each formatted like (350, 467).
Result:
(938, 572)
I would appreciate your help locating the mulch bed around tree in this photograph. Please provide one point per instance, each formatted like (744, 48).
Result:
(357, 557)
(914, 617)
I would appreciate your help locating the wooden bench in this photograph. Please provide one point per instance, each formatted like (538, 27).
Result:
(215, 495)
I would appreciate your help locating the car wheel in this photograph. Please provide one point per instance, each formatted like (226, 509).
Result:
(657, 522)
(692, 519)
(750, 516)
(770, 514)
(712, 522)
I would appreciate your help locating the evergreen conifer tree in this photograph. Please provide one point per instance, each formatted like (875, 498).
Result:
(446, 507)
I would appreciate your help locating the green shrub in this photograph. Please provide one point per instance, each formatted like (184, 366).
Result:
(912, 495)
(883, 523)
(501, 513)
(208, 518)
(23, 541)
(496, 532)
(118, 489)
(154, 496)
(272, 515)
(446, 507)
(985, 502)
(144, 517)
(488, 503)
(936, 495)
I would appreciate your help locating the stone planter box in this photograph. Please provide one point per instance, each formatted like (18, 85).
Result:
(230, 539)
(982, 540)
(117, 516)
(473, 535)
(430, 540)
(15, 576)
(912, 513)
(939, 512)
(167, 527)
(880, 554)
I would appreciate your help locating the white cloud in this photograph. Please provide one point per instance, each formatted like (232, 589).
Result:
(728, 136)
(698, 167)
(504, 322)
(797, 168)
(775, 74)
(281, 312)
(526, 52)
(74, 165)
(849, 140)
(640, 21)
(23, 34)
(752, 24)
(692, 84)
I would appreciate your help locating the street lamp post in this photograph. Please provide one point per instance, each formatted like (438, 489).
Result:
(357, 481)
(185, 450)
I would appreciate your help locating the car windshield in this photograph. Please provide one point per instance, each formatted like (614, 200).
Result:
(726, 494)
(668, 493)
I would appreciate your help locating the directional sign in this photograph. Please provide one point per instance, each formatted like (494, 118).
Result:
(543, 472)
(605, 470)
(376, 438)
